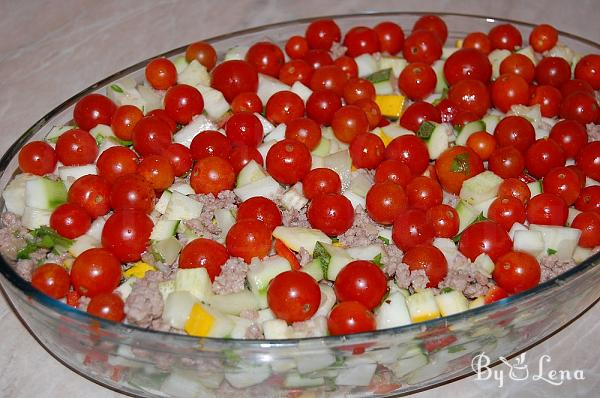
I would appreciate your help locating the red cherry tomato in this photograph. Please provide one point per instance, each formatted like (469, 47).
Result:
(361, 281)
(589, 224)
(322, 105)
(506, 211)
(422, 46)
(244, 128)
(132, 191)
(553, 71)
(297, 70)
(212, 175)
(204, 253)
(283, 107)
(520, 65)
(564, 182)
(266, 57)
(261, 209)
(507, 162)
(348, 122)
(246, 102)
(296, 47)
(448, 110)
(248, 239)
(483, 143)
(417, 81)
(434, 24)
(213, 143)
(455, 165)
(288, 161)
(547, 209)
(410, 150)
(467, 63)
(516, 272)
(506, 37)
(320, 181)
(372, 111)
(444, 219)
(542, 156)
(108, 306)
(332, 213)
(391, 37)
(427, 258)
(126, 234)
(234, 77)
(183, 102)
(571, 86)
(411, 228)
(470, 95)
(180, 158)
(70, 220)
(124, 120)
(91, 192)
(589, 199)
(241, 155)
(508, 90)
(350, 317)
(515, 131)
(161, 73)
(329, 77)
(358, 89)
(322, 33)
(115, 162)
(151, 135)
(487, 237)
(385, 201)
(570, 135)
(366, 151)
(393, 170)
(417, 113)
(423, 193)
(294, 296)
(95, 271)
(543, 37)
(348, 66)
(479, 41)
(588, 160)
(76, 147)
(515, 188)
(162, 115)
(304, 130)
(361, 40)
(37, 157)
(580, 106)
(202, 52)
(588, 69)
(548, 98)
(157, 171)
(317, 58)
(52, 280)
(92, 110)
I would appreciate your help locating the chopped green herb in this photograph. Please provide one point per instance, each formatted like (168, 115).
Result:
(335, 240)
(116, 88)
(456, 348)
(380, 76)
(447, 290)
(426, 130)
(44, 238)
(119, 141)
(460, 164)
(323, 256)
(99, 139)
(551, 252)
(377, 260)
(384, 240)
(231, 357)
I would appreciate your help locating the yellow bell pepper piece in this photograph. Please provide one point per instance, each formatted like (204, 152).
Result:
(458, 43)
(390, 105)
(138, 270)
(199, 323)
(384, 137)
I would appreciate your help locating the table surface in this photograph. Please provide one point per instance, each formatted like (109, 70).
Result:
(51, 50)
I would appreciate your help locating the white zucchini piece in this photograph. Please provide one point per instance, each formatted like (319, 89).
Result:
(267, 86)
(314, 269)
(68, 174)
(341, 163)
(573, 212)
(81, 244)
(250, 173)
(168, 249)
(180, 63)
(267, 187)
(293, 198)
(448, 51)
(276, 329)
(194, 74)
(236, 53)
(102, 130)
(263, 148)
(333, 258)
(95, 230)
(183, 188)
(393, 130)
(435, 136)
(309, 362)
(368, 252)
(301, 90)
(451, 302)
(355, 199)
(422, 306)
(396, 63)
(581, 254)
(215, 104)
(529, 53)
(484, 264)
(164, 229)
(295, 380)
(248, 376)
(559, 240)
(481, 187)
(468, 130)
(124, 92)
(441, 84)
(266, 125)
(194, 281)
(43, 193)
(360, 375)
(529, 241)
(199, 124)
(14, 193)
(393, 312)
(185, 384)
(57, 131)
(234, 303)
(126, 287)
(367, 64)
(328, 300)
(478, 302)
(496, 57)
(412, 360)
(516, 227)
(535, 188)
(483, 207)
(490, 122)
(361, 183)
(322, 149)
(240, 325)
(167, 287)
(225, 220)
(181, 207)
(163, 202)
(277, 133)
(151, 99)
(384, 87)
(466, 214)
(262, 272)
(297, 237)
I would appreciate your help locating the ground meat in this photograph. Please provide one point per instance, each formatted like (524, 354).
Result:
(254, 332)
(249, 314)
(83, 303)
(203, 225)
(295, 218)
(145, 303)
(363, 231)
(391, 257)
(593, 131)
(232, 277)
(450, 199)
(149, 258)
(24, 268)
(470, 282)
(418, 279)
(552, 266)
(313, 327)
(304, 257)
(12, 235)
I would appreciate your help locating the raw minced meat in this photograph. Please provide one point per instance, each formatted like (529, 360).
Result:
(552, 266)
(83, 303)
(12, 235)
(24, 268)
(166, 269)
(295, 218)
(204, 225)
(232, 277)
(466, 278)
(313, 327)
(254, 332)
(304, 257)
(593, 131)
(145, 303)
(364, 231)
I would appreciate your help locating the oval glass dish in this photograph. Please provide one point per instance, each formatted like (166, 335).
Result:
(383, 363)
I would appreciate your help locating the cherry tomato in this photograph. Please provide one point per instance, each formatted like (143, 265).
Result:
(320, 181)
(212, 175)
(417, 113)
(202, 52)
(348, 122)
(288, 161)
(507, 162)
(243, 128)
(483, 143)
(516, 272)
(589, 224)
(348, 66)
(427, 258)
(448, 110)
(157, 171)
(204, 253)
(294, 296)
(248, 239)
(361, 40)
(283, 107)
(548, 98)
(470, 95)
(162, 115)
(246, 102)
(434, 24)
(52, 280)
(183, 102)
(322, 105)
(467, 63)
(543, 37)
(520, 65)
(322, 33)
(391, 37)
(70, 220)
(358, 89)
(132, 191)
(161, 73)
(588, 69)
(361, 281)
(124, 120)
(108, 306)
(37, 157)
(76, 147)
(580, 106)
(332, 213)
(479, 41)
(553, 71)
(372, 111)
(92, 110)
(444, 219)
(330, 77)
(487, 237)
(261, 209)
(296, 47)
(506, 37)
(213, 143)
(507, 210)
(297, 70)
(304, 130)
(366, 151)
(547, 209)
(422, 46)
(234, 77)
(350, 317)
(564, 182)
(384, 201)
(542, 156)
(571, 86)
(241, 155)
(317, 58)
(588, 160)
(91, 192)
(126, 234)
(266, 57)
(151, 135)
(424, 193)
(95, 271)
(570, 135)
(180, 158)
(580, 174)
(508, 90)
(393, 170)
(417, 81)
(589, 199)
(515, 131)
(411, 228)
(410, 150)
(455, 165)
(515, 188)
